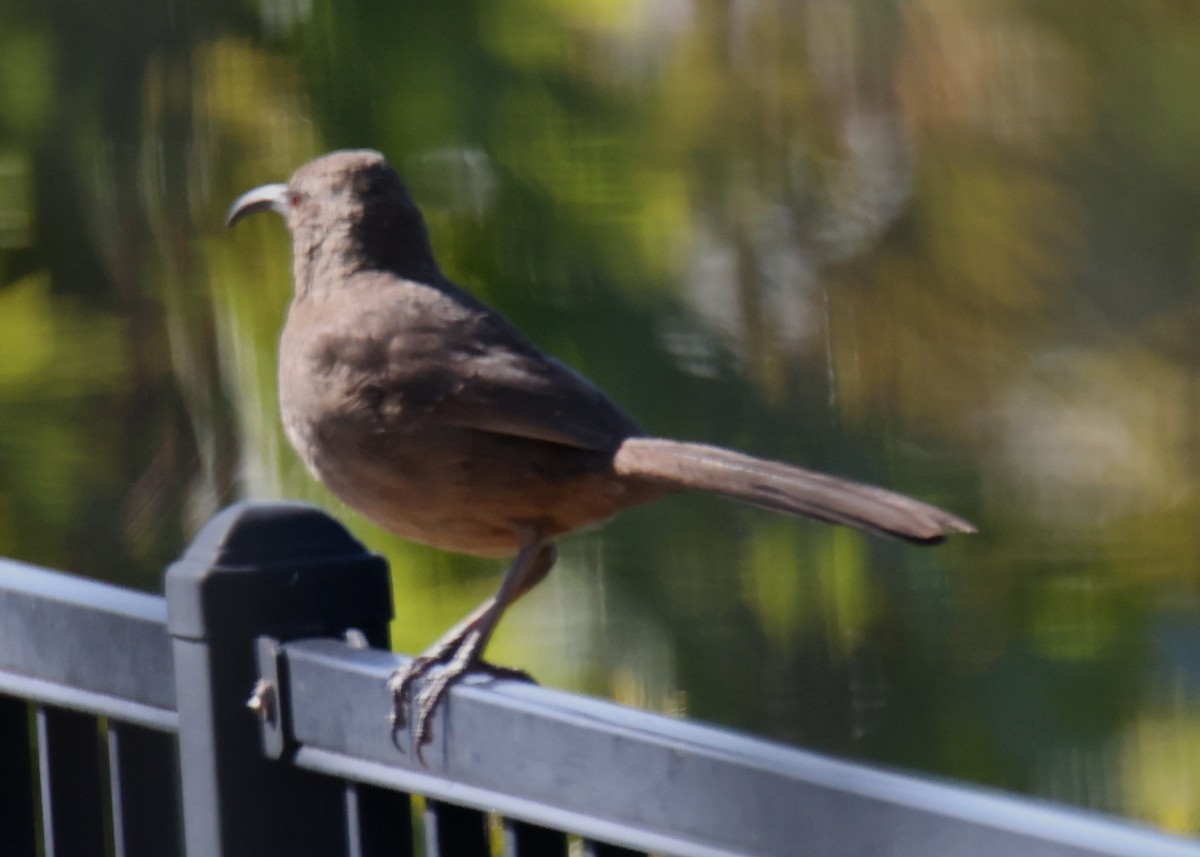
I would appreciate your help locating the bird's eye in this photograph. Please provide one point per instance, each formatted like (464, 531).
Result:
(294, 198)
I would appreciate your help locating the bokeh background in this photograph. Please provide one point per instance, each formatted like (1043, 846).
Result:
(949, 247)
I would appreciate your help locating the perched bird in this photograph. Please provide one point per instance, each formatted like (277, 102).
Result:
(432, 415)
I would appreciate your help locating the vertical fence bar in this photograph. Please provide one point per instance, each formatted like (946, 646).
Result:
(529, 840)
(284, 571)
(455, 831)
(18, 812)
(72, 800)
(379, 822)
(143, 783)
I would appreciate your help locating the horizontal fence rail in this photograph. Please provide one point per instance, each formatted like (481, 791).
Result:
(123, 720)
(94, 756)
(85, 645)
(654, 783)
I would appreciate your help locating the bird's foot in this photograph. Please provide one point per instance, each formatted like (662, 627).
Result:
(456, 658)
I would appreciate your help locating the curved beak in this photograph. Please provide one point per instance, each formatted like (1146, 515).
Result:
(269, 197)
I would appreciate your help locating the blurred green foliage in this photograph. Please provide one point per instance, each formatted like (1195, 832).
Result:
(952, 248)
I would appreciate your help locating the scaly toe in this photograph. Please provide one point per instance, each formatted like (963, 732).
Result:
(500, 673)
(427, 702)
(400, 684)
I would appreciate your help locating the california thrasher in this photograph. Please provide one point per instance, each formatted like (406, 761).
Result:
(434, 416)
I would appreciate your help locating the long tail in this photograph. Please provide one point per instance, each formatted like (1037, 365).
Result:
(678, 464)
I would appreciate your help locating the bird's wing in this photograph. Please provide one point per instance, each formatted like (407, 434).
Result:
(465, 366)
(535, 397)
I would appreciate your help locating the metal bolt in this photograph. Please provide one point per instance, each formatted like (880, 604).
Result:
(262, 701)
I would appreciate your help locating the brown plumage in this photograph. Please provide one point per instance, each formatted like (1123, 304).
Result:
(431, 414)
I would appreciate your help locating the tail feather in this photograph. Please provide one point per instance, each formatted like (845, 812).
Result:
(679, 464)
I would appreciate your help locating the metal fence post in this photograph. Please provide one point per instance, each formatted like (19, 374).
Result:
(280, 570)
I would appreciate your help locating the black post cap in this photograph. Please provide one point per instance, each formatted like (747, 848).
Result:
(275, 564)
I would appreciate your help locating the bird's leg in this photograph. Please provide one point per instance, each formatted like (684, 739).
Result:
(400, 683)
(461, 648)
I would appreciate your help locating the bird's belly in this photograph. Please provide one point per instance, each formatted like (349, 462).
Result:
(462, 490)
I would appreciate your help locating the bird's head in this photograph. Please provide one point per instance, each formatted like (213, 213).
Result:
(349, 203)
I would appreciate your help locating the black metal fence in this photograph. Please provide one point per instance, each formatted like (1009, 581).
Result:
(124, 730)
